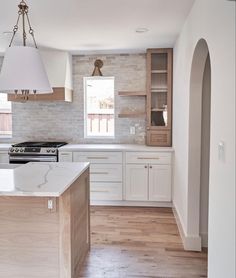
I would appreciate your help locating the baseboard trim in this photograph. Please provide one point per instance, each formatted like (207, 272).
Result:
(131, 203)
(204, 237)
(190, 242)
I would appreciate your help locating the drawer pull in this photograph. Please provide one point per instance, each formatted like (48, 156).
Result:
(148, 157)
(99, 173)
(95, 191)
(97, 157)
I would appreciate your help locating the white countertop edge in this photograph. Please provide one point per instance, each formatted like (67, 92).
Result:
(113, 147)
(102, 147)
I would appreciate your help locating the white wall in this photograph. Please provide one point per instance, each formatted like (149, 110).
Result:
(213, 20)
(205, 150)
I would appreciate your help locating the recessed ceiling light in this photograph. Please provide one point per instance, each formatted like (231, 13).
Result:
(141, 30)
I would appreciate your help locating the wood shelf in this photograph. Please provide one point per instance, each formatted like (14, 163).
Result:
(159, 90)
(132, 93)
(132, 115)
(159, 71)
(158, 109)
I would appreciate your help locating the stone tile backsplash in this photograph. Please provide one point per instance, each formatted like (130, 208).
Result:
(65, 121)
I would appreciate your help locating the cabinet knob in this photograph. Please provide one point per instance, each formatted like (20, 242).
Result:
(145, 166)
(150, 166)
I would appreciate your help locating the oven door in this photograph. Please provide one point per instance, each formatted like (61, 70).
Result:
(22, 159)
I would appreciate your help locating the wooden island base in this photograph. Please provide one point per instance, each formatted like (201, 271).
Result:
(36, 241)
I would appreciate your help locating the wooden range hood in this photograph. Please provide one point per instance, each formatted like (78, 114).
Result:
(58, 66)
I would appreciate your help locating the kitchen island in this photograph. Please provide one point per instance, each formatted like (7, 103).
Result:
(44, 220)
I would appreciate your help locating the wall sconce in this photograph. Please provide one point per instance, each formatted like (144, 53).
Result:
(98, 65)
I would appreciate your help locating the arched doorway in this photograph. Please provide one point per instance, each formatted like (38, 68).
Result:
(199, 145)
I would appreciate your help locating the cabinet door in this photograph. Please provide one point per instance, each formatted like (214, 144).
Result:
(4, 157)
(136, 182)
(160, 183)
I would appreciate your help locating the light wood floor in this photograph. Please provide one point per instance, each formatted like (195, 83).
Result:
(139, 242)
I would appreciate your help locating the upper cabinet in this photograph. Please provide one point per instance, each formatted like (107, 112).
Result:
(159, 97)
(58, 65)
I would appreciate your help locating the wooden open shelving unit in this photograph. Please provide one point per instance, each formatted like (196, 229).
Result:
(137, 114)
(159, 97)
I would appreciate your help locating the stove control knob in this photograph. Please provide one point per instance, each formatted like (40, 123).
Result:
(12, 150)
(21, 150)
(53, 151)
(16, 150)
(48, 150)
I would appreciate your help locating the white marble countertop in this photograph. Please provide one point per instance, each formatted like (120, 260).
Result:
(113, 147)
(39, 178)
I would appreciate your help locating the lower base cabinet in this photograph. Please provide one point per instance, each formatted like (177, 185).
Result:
(136, 182)
(148, 182)
(148, 176)
(159, 183)
(106, 174)
(132, 176)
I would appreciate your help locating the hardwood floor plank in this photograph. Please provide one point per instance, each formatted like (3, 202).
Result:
(132, 242)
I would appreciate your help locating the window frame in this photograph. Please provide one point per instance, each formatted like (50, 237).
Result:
(86, 136)
(2, 135)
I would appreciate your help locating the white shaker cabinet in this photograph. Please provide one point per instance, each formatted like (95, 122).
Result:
(65, 156)
(105, 174)
(122, 175)
(136, 182)
(4, 158)
(148, 176)
(159, 183)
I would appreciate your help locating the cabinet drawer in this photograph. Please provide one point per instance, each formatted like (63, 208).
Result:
(148, 157)
(98, 157)
(106, 191)
(106, 172)
(65, 156)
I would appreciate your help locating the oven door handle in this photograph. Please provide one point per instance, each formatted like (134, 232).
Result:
(31, 158)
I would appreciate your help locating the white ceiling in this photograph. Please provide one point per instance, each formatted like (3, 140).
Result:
(83, 26)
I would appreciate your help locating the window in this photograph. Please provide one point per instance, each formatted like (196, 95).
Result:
(99, 106)
(5, 116)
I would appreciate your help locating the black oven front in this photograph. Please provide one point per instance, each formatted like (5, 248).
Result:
(22, 159)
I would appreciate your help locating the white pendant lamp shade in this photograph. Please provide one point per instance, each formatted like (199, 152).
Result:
(23, 69)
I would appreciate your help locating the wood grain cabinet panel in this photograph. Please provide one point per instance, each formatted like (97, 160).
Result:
(159, 97)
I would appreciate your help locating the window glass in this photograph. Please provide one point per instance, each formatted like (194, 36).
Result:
(99, 106)
(5, 116)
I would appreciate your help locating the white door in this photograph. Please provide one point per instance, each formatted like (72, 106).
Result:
(160, 183)
(136, 182)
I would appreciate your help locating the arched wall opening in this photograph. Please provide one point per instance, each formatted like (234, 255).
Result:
(199, 145)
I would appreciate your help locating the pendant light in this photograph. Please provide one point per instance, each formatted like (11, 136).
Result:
(23, 71)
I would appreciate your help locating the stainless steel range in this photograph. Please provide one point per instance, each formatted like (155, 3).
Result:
(34, 151)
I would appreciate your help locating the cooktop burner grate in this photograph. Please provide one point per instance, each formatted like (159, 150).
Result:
(40, 144)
